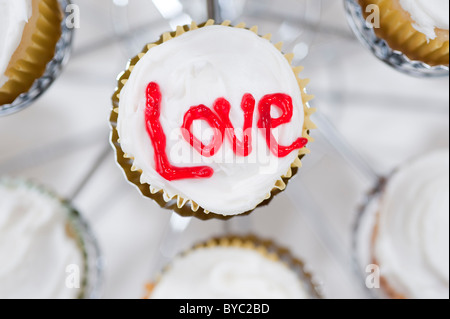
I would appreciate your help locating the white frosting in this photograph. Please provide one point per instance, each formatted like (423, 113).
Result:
(412, 246)
(228, 273)
(14, 14)
(428, 15)
(34, 246)
(199, 67)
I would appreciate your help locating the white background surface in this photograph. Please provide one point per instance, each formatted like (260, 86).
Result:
(387, 116)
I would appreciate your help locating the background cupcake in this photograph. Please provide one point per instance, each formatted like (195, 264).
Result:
(46, 250)
(411, 236)
(418, 28)
(234, 268)
(29, 31)
(233, 85)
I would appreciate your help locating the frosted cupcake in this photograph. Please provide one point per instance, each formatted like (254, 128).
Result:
(418, 28)
(211, 121)
(42, 252)
(234, 268)
(411, 238)
(29, 31)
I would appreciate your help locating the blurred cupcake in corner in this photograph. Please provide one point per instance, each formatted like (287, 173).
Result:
(417, 28)
(234, 268)
(411, 237)
(41, 251)
(29, 31)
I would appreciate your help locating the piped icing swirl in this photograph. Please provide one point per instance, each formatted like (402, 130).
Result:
(228, 273)
(428, 15)
(14, 14)
(412, 238)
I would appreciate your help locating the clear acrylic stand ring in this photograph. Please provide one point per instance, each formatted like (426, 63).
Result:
(396, 59)
(52, 71)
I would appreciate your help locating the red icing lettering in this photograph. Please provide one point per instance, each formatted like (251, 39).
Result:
(221, 124)
(266, 123)
(222, 108)
(158, 138)
(202, 112)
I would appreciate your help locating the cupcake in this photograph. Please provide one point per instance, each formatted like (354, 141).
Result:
(29, 31)
(411, 237)
(417, 28)
(211, 120)
(234, 268)
(43, 246)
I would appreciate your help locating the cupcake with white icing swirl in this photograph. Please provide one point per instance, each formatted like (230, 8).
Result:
(43, 245)
(234, 268)
(29, 31)
(418, 28)
(411, 238)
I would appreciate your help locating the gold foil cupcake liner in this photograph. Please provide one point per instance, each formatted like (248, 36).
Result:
(37, 48)
(266, 248)
(396, 28)
(184, 206)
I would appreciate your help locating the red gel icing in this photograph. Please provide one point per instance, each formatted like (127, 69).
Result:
(222, 108)
(266, 123)
(221, 124)
(202, 112)
(158, 138)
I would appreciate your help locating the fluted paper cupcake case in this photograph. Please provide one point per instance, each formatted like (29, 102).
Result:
(383, 51)
(79, 231)
(184, 206)
(45, 76)
(267, 248)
